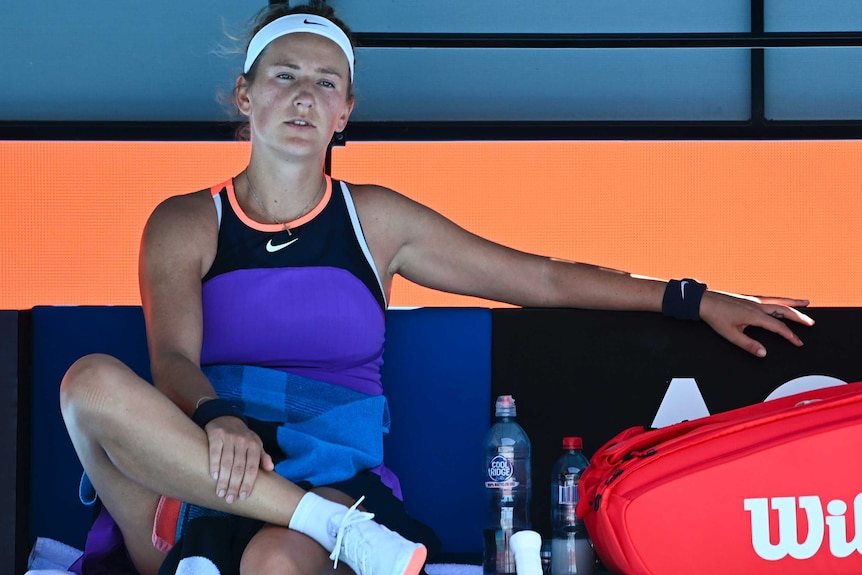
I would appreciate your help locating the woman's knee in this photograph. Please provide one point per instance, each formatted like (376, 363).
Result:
(280, 550)
(91, 381)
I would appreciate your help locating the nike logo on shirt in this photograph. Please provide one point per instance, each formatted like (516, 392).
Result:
(682, 288)
(272, 248)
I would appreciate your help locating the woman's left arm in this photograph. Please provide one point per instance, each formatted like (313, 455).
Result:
(426, 248)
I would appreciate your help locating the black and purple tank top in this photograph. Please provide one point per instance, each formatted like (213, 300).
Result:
(309, 302)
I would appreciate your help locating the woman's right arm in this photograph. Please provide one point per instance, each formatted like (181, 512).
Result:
(177, 249)
(173, 253)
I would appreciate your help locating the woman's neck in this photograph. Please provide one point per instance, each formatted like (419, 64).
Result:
(280, 192)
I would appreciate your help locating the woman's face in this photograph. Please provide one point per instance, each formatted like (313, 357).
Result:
(299, 95)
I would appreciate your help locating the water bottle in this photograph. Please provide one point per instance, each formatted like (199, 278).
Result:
(508, 487)
(571, 550)
(545, 555)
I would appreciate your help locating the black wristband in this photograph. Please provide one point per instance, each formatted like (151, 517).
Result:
(682, 298)
(209, 410)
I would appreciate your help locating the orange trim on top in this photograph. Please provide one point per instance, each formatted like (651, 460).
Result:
(261, 227)
(327, 193)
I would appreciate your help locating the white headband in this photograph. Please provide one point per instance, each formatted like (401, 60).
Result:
(292, 23)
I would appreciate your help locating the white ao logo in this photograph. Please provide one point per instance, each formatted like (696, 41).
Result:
(684, 401)
(834, 522)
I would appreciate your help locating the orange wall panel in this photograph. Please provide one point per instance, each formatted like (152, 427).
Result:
(73, 213)
(777, 218)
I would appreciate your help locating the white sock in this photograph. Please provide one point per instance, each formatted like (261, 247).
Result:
(312, 518)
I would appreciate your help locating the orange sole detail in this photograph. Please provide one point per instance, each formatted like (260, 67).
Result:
(416, 561)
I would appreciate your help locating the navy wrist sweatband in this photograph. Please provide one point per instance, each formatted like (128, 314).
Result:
(209, 410)
(682, 299)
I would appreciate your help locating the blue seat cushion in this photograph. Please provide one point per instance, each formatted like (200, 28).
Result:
(61, 335)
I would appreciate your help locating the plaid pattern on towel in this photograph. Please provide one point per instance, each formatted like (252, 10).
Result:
(327, 432)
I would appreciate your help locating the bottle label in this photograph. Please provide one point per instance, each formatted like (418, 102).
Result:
(500, 472)
(567, 489)
(567, 494)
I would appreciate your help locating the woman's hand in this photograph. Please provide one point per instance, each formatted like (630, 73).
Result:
(729, 315)
(236, 456)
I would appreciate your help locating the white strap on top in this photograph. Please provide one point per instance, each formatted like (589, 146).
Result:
(357, 229)
(217, 201)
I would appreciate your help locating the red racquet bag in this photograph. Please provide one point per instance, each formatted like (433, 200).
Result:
(772, 488)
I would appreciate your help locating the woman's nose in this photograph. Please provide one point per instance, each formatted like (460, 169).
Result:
(304, 96)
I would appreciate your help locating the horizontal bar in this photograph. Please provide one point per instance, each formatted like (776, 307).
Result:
(674, 40)
(621, 130)
(456, 131)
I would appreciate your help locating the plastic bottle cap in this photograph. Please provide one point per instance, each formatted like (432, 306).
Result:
(573, 443)
(505, 406)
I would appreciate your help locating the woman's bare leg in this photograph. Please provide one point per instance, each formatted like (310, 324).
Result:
(136, 445)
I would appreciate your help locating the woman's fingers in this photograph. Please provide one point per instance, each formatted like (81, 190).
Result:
(773, 323)
(749, 344)
(782, 301)
(237, 475)
(236, 456)
(785, 312)
(249, 476)
(729, 315)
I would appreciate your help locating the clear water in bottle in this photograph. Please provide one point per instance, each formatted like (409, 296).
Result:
(571, 550)
(508, 487)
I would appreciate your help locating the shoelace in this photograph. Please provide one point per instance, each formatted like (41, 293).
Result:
(352, 517)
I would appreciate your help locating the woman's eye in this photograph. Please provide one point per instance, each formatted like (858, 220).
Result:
(327, 84)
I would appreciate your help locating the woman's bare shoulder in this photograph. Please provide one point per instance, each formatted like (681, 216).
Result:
(194, 204)
(185, 220)
(184, 211)
(377, 197)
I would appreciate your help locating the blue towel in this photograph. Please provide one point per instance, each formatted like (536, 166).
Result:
(328, 432)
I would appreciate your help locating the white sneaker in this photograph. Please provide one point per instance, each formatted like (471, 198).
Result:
(370, 548)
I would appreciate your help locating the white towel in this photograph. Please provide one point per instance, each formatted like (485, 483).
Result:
(197, 566)
(49, 557)
(453, 569)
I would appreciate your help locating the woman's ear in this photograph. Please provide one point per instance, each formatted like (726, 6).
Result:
(241, 98)
(343, 118)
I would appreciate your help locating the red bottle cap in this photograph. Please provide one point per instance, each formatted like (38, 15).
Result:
(573, 443)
